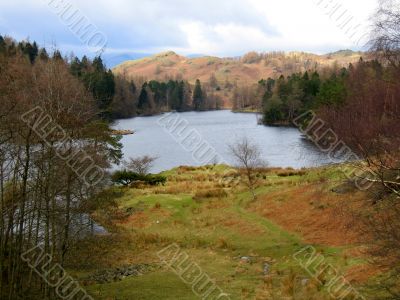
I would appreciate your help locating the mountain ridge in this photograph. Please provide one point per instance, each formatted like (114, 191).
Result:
(221, 75)
(251, 66)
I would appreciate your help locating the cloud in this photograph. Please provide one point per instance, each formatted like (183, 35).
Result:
(216, 27)
(222, 39)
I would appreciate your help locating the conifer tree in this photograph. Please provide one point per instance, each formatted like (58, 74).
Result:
(198, 96)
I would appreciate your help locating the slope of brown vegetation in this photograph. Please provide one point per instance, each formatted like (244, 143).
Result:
(320, 217)
(244, 71)
(170, 65)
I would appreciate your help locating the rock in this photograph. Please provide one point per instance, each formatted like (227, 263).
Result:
(266, 268)
(246, 259)
(343, 188)
(304, 281)
(120, 273)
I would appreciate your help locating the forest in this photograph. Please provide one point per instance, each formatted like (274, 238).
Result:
(285, 98)
(117, 96)
(280, 99)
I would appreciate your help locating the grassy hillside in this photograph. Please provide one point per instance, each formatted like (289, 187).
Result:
(230, 236)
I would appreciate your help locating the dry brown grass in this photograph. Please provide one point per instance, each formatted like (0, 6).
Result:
(210, 193)
(186, 169)
(171, 189)
(319, 216)
(241, 226)
(216, 204)
(361, 273)
(222, 243)
(145, 239)
(277, 286)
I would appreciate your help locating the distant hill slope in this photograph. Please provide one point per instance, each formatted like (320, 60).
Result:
(219, 76)
(248, 69)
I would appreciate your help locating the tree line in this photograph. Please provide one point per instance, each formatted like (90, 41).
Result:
(285, 98)
(121, 97)
(360, 109)
(361, 105)
(367, 120)
(177, 95)
(53, 139)
(117, 96)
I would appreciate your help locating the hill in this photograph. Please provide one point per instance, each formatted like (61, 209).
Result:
(249, 68)
(225, 73)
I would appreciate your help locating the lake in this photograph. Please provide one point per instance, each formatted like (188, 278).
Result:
(155, 136)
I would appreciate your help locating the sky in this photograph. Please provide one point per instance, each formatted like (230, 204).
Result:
(124, 29)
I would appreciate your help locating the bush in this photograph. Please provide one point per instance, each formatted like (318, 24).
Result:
(187, 168)
(155, 179)
(126, 178)
(104, 199)
(211, 193)
(291, 172)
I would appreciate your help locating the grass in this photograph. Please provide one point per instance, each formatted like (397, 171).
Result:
(158, 285)
(218, 229)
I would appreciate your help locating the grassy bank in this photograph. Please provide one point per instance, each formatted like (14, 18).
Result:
(230, 236)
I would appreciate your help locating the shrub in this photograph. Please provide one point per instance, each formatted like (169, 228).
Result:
(155, 179)
(187, 168)
(104, 199)
(291, 172)
(126, 178)
(211, 193)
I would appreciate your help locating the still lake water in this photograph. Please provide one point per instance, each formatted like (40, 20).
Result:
(280, 146)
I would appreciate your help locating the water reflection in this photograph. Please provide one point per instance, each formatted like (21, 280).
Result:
(280, 146)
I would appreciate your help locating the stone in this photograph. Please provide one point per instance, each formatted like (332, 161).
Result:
(304, 281)
(245, 259)
(120, 273)
(266, 268)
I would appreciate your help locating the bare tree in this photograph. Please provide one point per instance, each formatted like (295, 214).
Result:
(248, 158)
(386, 34)
(41, 194)
(369, 123)
(141, 165)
